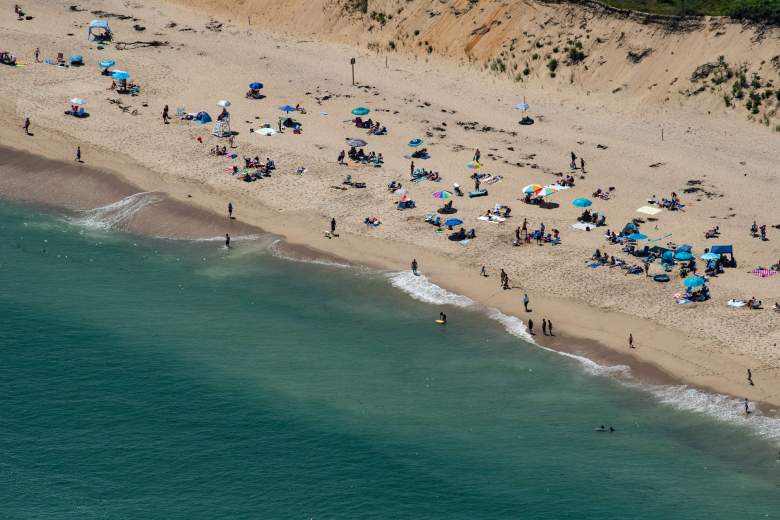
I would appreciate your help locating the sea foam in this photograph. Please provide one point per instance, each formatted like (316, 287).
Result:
(119, 214)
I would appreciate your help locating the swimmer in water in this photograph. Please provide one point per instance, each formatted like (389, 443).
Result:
(442, 317)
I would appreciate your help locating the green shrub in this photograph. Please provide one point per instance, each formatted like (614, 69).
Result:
(552, 65)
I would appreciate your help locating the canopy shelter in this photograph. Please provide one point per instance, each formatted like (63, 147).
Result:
(99, 31)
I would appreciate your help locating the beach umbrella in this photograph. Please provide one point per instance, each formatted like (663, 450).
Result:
(106, 64)
(710, 256)
(357, 143)
(636, 236)
(265, 131)
(548, 190)
(120, 74)
(401, 192)
(532, 188)
(442, 194)
(581, 203)
(683, 255)
(694, 281)
(360, 111)
(287, 108)
(78, 101)
(414, 143)
(224, 103)
(255, 85)
(521, 106)
(473, 165)
(453, 222)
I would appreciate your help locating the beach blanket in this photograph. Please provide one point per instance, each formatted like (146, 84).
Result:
(582, 226)
(492, 179)
(683, 301)
(763, 273)
(648, 210)
(736, 303)
(492, 219)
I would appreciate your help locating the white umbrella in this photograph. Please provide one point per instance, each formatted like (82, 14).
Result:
(265, 131)
(78, 101)
(224, 103)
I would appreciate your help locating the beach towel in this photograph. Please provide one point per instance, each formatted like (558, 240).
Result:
(763, 273)
(736, 303)
(492, 219)
(582, 226)
(648, 210)
(683, 301)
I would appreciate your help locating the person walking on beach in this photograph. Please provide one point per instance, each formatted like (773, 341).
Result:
(573, 157)
(37, 55)
(411, 169)
(165, 115)
(333, 226)
(414, 266)
(483, 272)
(630, 340)
(477, 155)
(582, 165)
(341, 157)
(227, 241)
(517, 235)
(544, 326)
(549, 327)
(526, 301)
(524, 229)
(78, 154)
(26, 126)
(230, 210)
(531, 327)
(750, 377)
(747, 406)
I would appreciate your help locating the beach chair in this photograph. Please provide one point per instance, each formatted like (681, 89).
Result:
(61, 58)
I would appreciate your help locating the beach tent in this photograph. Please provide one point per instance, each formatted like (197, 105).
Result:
(720, 250)
(202, 118)
(76, 60)
(99, 31)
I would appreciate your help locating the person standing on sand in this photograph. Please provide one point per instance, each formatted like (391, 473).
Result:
(630, 340)
(333, 226)
(750, 377)
(411, 169)
(647, 269)
(549, 327)
(227, 241)
(531, 327)
(544, 326)
(37, 55)
(165, 115)
(526, 301)
(26, 126)
(230, 210)
(341, 157)
(476, 184)
(483, 272)
(573, 157)
(524, 230)
(582, 165)
(414, 266)
(477, 155)
(78, 154)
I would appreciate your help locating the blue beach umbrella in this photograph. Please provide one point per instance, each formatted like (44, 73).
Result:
(287, 108)
(76, 58)
(360, 111)
(255, 85)
(453, 222)
(120, 74)
(581, 203)
(521, 106)
(694, 281)
(106, 64)
(683, 255)
(414, 143)
(710, 256)
(636, 236)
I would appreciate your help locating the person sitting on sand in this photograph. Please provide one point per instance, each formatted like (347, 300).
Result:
(776, 307)
(434, 176)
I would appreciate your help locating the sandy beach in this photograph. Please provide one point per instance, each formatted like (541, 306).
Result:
(455, 106)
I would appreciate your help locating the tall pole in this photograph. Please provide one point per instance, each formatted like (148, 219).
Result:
(352, 62)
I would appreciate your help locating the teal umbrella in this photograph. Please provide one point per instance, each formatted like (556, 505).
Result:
(694, 281)
(636, 236)
(683, 255)
(710, 256)
(582, 203)
(360, 111)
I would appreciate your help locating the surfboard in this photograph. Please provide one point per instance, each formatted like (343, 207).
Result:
(441, 322)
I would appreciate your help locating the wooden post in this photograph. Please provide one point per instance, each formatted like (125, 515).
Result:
(662, 133)
(352, 62)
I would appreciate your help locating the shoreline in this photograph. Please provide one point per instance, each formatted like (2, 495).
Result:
(188, 219)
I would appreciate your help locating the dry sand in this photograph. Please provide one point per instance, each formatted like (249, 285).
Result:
(708, 345)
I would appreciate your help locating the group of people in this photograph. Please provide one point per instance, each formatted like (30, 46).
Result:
(593, 217)
(757, 231)
(672, 203)
(373, 127)
(358, 155)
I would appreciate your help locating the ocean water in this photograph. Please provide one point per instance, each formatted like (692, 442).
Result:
(155, 379)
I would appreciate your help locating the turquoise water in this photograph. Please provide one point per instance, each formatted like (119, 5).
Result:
(154, 379)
